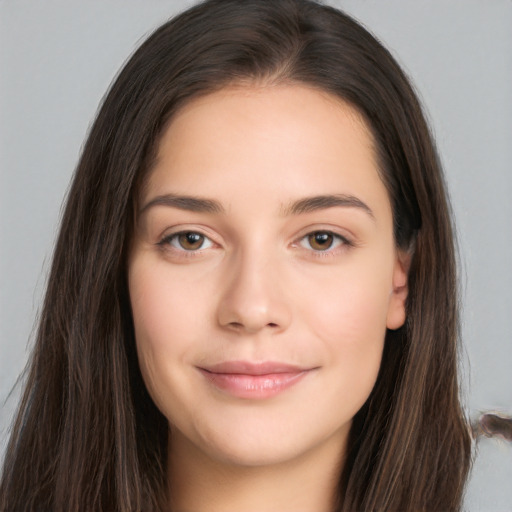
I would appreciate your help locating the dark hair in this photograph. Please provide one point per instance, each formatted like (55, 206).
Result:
(87, 435)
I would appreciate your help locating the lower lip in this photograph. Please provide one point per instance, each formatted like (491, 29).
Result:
(254, 386)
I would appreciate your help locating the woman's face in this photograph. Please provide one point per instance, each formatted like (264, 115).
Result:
(263, 274)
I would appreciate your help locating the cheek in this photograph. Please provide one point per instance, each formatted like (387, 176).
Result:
(348, 318)
(349, 308)
(167, 310)
(166, 319)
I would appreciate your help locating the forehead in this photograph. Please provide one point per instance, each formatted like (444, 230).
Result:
(283, 140)
(271, 109)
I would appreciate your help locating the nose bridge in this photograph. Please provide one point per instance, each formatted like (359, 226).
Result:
(252, 297)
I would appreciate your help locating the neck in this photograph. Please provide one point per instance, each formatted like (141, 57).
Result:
(198, 483)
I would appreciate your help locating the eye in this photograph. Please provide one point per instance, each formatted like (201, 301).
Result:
(322, 241)
(188, 241)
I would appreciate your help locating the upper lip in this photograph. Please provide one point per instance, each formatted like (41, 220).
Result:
(252, 368)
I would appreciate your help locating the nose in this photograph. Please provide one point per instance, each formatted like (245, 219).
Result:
(253, 298)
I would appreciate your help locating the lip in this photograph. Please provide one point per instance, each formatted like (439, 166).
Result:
(243, 379)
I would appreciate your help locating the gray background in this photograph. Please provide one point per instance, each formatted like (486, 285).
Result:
(57, 59)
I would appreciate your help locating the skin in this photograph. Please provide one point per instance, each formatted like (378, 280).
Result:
(257, 287)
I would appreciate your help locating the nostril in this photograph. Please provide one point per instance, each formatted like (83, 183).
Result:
(239, 326)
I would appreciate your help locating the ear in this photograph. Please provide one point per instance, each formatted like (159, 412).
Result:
(396, 308)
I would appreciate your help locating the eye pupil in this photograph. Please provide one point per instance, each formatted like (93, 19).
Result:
(191, 241)
(321, 241)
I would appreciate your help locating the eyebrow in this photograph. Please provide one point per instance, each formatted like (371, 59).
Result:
(311, 204)
(301, 206)
(188, 203)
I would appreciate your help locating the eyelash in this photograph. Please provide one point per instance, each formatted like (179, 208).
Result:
(168, 241)
(338, 243)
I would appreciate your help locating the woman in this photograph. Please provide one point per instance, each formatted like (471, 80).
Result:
(252, 304)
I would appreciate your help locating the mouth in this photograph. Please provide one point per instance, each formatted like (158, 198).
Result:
(248, 380)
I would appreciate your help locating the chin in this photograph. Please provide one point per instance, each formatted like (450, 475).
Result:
(263, 443)
(255, 452)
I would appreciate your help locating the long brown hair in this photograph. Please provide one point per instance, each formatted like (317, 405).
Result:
(87, 435)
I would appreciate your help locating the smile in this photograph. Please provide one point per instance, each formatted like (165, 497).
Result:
(253, 381)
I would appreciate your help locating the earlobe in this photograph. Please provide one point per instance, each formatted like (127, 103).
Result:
(396, 309)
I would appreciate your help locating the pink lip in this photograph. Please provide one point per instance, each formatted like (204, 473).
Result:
(243, 379)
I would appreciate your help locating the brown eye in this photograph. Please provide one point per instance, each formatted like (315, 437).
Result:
(323, 241)
(320, 240)
(188, 241)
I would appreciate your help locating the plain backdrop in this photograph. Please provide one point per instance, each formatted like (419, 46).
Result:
(57, 59)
